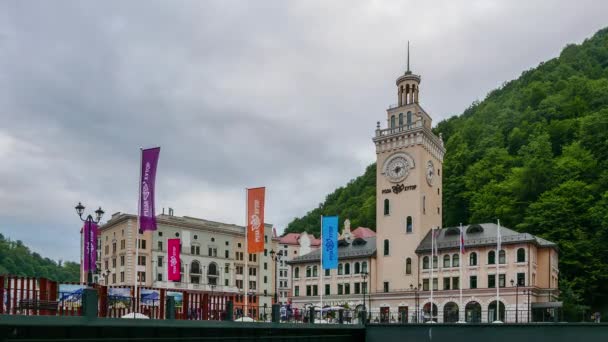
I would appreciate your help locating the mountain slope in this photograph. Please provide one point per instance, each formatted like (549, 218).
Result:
(17, 259)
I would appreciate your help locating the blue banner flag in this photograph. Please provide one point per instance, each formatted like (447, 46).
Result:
(329, 226)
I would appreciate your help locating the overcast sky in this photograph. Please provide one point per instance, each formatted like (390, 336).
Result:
(282, 94)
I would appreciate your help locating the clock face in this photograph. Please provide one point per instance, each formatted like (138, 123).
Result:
(398, 169)
(430, 172)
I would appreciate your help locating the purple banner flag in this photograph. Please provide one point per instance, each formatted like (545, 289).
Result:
(90, 246)
(149, 160)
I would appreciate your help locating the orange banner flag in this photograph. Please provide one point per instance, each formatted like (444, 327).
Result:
(255, 220)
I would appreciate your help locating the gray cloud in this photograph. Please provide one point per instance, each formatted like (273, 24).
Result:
(281, 94)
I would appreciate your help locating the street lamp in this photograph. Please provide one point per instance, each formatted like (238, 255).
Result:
(88, 244)
(276, 257)
(516, 300)
(416, 298)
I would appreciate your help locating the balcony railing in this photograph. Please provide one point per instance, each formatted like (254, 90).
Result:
(398, 129)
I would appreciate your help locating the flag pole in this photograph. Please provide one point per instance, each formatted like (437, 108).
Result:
(322, 270)
(432, 281)
(497, 283)
(135, 297)
(461, 258)
(246, 275)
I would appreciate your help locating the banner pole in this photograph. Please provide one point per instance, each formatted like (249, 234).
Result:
(135, 297)
(321, 270)
(246, 275)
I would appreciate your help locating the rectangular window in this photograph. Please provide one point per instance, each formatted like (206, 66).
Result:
(364, 287)
(327, 289)
(473, 282)
(107, 249)
(159, 277)
(141, 261)
(491, 280)
(122, 276)
(315, 290)
(455, 283)
(521, 279)
(386, 247)
(425, 285)
(265, 251)
(141, 277)
(435, 284)
(501, 280)
(160, 246)
(239, 284)
(226, 282)
(327, 272)
(357, 288)
(226, 268)
(308, 290)
(160, 261)
(143, 244)
(122, 244)
(113, 278)
(106, 264)
(265, 280)
(340, 289)
(113, 247)
(296, 291)
(227, 254)
(347, 288)
(386, 286)
(252, 285)
(113, 262)
(446, 283)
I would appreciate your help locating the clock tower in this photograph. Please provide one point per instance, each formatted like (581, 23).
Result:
(409, 161)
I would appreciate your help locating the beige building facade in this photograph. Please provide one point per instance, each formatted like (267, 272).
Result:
(213, 257)
(408, 206)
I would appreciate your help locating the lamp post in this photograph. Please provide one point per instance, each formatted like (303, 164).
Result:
(516, 300)
(276, 257)
(87, 244)
(364, 313)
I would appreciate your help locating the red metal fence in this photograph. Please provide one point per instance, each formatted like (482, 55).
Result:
(40, 296)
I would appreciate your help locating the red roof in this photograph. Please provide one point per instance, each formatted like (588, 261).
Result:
(315, 242)
(290, 239)
(363, 232)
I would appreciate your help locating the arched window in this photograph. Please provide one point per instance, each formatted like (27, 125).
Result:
(473, 259)
(364, 267)
(409, 118)
(386, 247)
(400, 119)
(340, 269)
(450, 313)
(472, 312)
(425, 263)
(491, 258)
(446, 261)
(315, 271)
(521, 255)
(408, 266)
(357, 268)
(392, 121)
(387, 207)
(308, 272)
(296, 273)
(492, 316)
(347, 268)
(409, 225)
(502, 256)
(455, 260)
(195, 267)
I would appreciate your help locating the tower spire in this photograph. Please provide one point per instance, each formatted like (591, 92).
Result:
(408, 56)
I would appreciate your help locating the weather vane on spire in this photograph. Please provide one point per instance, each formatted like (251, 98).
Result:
(408, 58)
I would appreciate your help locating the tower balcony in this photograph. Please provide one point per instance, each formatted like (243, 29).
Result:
(399, 129)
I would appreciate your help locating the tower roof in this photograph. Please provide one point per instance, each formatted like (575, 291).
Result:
(408, 75)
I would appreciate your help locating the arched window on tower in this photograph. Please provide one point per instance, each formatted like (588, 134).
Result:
(408, 266)
(409, 225)
(387, 207)
(400, 119)
(392, 121)
(414, 95)
(407, 94)
(409, 119)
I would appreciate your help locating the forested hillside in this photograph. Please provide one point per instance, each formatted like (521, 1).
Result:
(17, 259)
(534, 153)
